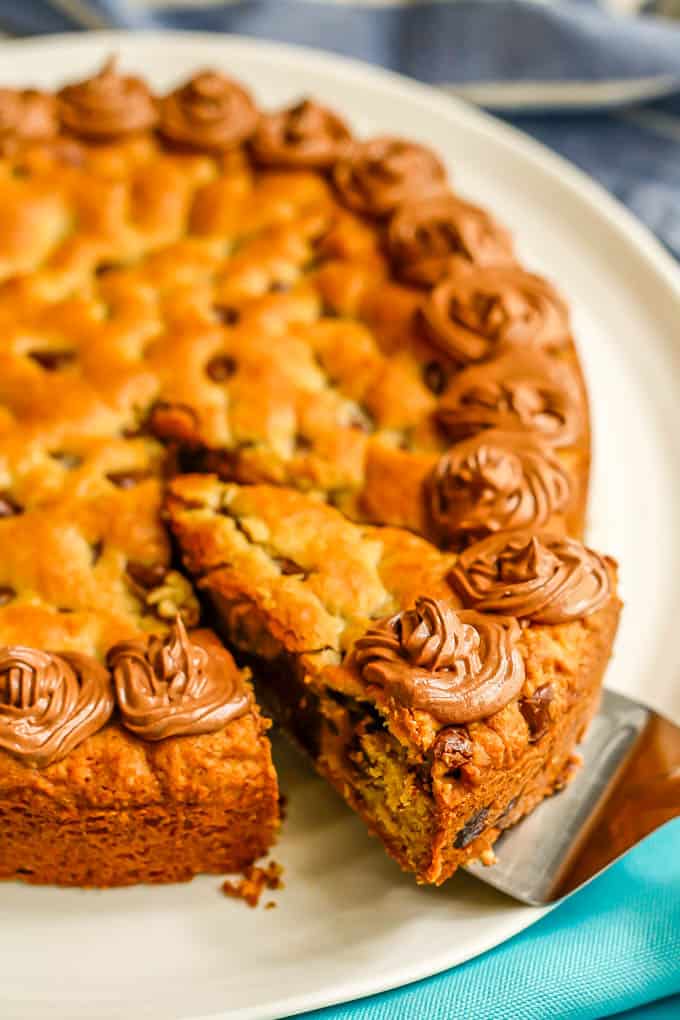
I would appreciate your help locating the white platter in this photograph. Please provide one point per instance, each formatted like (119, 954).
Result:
(348, 923)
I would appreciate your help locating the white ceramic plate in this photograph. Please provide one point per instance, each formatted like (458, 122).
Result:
(349, 923)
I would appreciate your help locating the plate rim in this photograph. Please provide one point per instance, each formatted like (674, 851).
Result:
(562, 172)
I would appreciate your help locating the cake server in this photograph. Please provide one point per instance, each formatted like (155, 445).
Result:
(627, 787)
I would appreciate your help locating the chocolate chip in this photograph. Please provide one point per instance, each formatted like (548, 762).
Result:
(289, 567)
(128, 479)
(434, 377)
(107, 267)
(536, 711)
(303, 442)
(67, 460)
(223, 463)
(424, 777)
(52, 361)
(453, 747)
(6, 594)
(227, 315)
(375, 723)
(473, 827)
(339, 697)
(146, 575)
(221, 367)
(336, 497)
(96, 549)
(8, 507)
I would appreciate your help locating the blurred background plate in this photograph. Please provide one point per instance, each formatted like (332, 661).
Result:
(349, 923)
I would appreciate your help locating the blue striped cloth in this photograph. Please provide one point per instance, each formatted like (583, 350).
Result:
(604, 90)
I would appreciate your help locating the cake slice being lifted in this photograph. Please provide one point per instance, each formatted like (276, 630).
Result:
(442, 696)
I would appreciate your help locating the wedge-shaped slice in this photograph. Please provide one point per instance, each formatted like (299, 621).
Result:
(147, 764)
(442, 697)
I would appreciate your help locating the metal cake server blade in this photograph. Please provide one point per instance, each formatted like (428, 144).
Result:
(627, 787)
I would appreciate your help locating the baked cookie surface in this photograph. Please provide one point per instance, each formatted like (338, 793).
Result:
(367, 387)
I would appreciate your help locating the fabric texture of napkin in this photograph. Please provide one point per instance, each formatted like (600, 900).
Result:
(613, 946)
(602, 88)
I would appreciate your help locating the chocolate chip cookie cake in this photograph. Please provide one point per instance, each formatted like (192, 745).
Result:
(265, 380)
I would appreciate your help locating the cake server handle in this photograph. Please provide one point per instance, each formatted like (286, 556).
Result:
(644, 795)
(627, 787)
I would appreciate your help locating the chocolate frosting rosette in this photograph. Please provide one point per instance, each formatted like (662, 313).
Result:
(479, 311)
(497, 481)
(50, 703)
(108, 105)
(459, 666)
(376, 176)
(306, 135)
(541, 577)
(519, 392)
(171, 686)
(426, 238)
(210, 111)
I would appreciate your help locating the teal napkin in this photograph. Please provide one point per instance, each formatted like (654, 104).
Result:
(667, 1009)
(613, 946)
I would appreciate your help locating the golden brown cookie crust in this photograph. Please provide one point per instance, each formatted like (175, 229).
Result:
(187, 285)
(248, 314)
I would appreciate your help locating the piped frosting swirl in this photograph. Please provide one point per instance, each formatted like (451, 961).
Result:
(476, 312)
(497, 481)
(171, 686)
(542, 577)
(458, 666)
(304, 135)
(50, 703)
(427, 238)
(515, 393)
(210, 111)
(108, 105)
(376, 176)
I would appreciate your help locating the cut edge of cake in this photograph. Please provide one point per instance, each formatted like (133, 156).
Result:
(296, 589)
